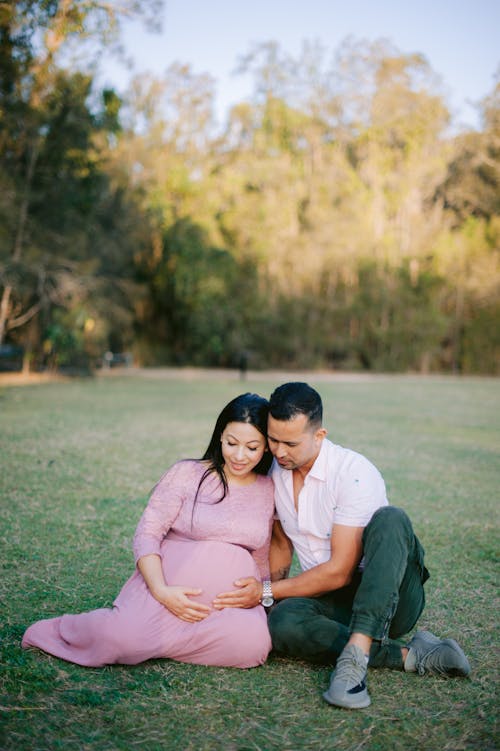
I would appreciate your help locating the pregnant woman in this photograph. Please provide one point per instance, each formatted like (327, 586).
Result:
(206, 525)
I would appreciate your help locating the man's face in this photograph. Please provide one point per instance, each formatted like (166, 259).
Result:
(294, 443)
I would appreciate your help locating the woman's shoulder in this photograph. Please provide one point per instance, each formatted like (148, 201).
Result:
(183, 470)
(266, 484)
(190, 464)
(265, 479)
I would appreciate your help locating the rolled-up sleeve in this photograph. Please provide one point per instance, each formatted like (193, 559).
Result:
(360, 492)
(162, 510)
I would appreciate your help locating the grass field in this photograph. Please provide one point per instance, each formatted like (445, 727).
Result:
(77, 462)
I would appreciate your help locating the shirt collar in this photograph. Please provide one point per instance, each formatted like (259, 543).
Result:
(319, 468)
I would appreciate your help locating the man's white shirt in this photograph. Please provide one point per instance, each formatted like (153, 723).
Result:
(342, 487)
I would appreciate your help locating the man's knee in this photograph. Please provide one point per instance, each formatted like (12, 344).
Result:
(389, 520)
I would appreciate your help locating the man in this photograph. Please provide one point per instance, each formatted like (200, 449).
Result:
(363, 569)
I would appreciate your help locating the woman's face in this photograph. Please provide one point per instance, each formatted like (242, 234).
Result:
(243, 447)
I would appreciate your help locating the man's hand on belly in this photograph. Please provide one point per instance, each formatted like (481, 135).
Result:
(247, 595)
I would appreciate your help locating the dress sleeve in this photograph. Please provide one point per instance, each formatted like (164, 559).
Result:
(261, 558)
(261, 554)
(162, 509)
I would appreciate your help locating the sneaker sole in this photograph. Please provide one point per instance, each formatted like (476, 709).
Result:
(361, 704)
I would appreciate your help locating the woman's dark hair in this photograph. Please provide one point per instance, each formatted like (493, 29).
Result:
(296, 398)
(250, 408)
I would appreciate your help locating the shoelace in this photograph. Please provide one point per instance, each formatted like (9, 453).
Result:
(422, 662)
(350, 670)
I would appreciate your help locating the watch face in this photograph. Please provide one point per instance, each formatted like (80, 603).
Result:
(267, 601)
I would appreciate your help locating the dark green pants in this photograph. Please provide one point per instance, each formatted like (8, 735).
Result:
(384, 601)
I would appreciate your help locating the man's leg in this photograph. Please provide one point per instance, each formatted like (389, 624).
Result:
(388, 602)
(392, 555)
(390, 596)
(305, 627)
(317, 628)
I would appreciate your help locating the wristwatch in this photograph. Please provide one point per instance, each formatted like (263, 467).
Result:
(267, 598)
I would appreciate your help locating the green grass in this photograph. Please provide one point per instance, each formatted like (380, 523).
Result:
(77, 462)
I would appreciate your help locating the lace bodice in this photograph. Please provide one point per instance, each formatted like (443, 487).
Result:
(243, 517)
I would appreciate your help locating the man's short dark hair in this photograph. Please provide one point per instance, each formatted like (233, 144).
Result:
(296, 398)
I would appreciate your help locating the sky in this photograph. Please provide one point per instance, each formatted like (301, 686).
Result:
(459, 38)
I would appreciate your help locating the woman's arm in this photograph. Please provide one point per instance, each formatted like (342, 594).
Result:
(160, 513)
(261, 555)
(163, 507)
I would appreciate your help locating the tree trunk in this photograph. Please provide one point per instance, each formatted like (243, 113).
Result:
(4, 310)
(18, 243)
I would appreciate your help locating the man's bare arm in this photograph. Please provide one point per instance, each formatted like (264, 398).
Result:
(280, 554)
(346, 551)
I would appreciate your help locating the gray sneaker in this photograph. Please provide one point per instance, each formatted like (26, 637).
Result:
(428, 654)
(348, 681)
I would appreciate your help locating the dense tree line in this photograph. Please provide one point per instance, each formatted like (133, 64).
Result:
(332, 222)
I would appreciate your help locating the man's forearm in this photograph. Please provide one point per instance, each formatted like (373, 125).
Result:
(316, 581)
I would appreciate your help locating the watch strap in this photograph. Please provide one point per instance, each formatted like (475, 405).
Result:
(267, 591)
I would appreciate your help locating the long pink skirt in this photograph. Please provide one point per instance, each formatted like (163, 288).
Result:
(139, 628)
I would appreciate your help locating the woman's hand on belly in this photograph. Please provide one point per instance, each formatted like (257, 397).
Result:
(177, 600)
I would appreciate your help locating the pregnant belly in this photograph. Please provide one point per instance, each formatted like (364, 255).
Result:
(209, 565)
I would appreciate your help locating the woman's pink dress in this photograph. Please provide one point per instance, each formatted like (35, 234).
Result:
(208, 545)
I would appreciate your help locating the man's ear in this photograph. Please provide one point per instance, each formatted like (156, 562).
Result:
(321, 433)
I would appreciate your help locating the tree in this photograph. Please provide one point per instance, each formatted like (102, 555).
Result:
(197, 303)
(469, 254)
(33, 38)
(472, 183)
